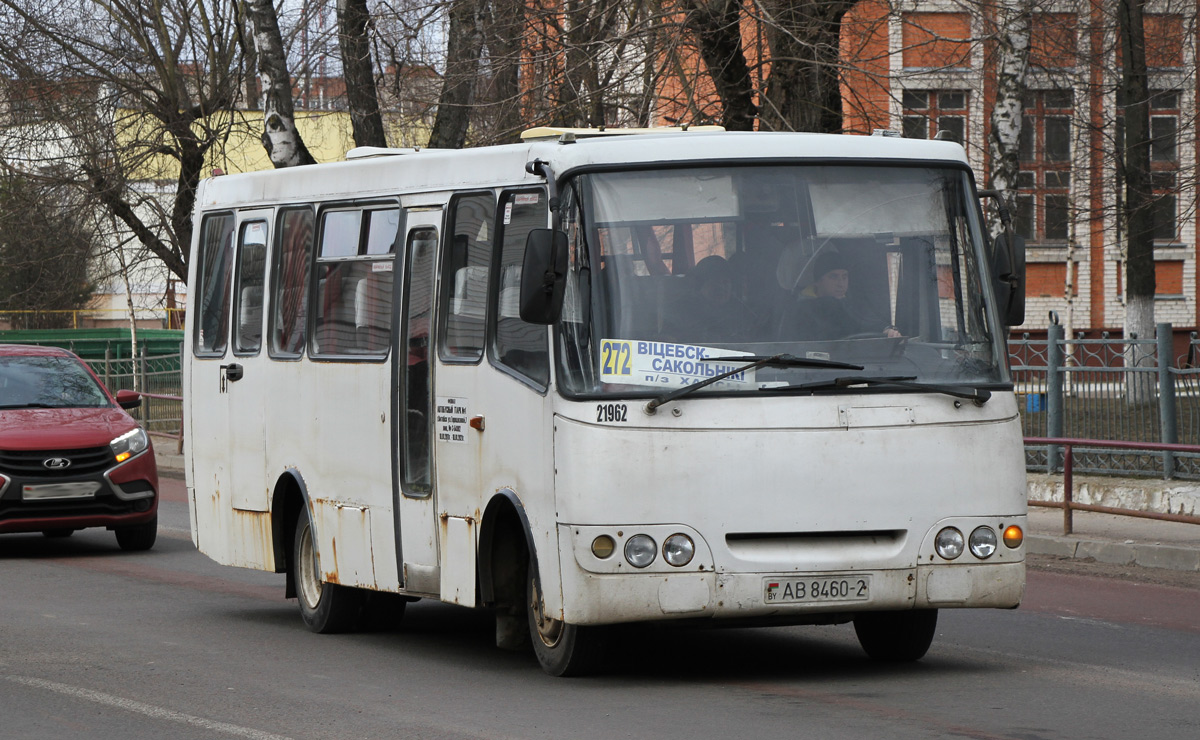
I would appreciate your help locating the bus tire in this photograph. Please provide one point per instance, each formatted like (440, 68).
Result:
(326, 608)
(896, 637)
(562, 649)
(139, 536)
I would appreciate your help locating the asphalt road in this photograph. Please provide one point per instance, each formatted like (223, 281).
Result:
(96, 643)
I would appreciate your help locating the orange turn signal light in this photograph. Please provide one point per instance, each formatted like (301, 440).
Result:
(122, 457)
(1013, 536)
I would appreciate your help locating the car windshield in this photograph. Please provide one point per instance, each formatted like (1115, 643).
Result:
(48, 382)
(675, 274)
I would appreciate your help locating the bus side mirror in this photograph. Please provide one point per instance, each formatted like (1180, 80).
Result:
(543, 276)
(1008, 277)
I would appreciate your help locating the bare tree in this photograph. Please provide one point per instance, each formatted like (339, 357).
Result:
(354, 21)
(464, 45)
(1014, 20)
(717, 27)
(46, 244)
(110, 102)
(1133, 168)
(280, 138)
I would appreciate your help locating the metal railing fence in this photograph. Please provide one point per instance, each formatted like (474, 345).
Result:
(1129, 390)
(1069, 505)
(159, 380)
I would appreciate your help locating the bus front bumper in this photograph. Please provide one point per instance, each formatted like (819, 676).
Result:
(787, 597)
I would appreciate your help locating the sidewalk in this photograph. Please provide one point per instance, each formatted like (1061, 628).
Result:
(1109, 538)
(1120, 540)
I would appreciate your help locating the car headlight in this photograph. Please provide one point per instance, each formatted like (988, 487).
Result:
(983, 542)
(129, 444)
(949, 543)
(678, 550)
(640, 550)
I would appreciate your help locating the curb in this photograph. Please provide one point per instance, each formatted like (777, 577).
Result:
(1167, 557)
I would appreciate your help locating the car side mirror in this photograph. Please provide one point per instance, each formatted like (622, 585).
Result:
(543, 276)
(1008, 277)
(129, 400)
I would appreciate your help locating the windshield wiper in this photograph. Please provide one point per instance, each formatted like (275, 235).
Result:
(754, 361)
(979, 396)
(27, 406)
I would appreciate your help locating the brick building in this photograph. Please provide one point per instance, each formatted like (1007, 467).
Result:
(924, 66)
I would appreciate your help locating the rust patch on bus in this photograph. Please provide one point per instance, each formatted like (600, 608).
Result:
(331, 576)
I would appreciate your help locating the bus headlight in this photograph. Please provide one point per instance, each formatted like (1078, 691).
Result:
(678, 550)
(983, 542)
(129, 444)
(949, 543)
(640, 550)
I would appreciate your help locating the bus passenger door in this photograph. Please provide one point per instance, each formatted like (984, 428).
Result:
(413, 487)
(243, 379)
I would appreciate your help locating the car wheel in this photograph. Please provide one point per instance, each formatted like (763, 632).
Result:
(325, 607)
(58, 533)
(139, 536)
(896, 637)
(562, 649)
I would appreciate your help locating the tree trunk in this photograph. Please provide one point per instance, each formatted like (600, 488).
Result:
(1133, 168)
(716, 24)
(1014, 20)
(803, 89)
(280, 138)
(359, 72)
(464, 45)
(504, 31)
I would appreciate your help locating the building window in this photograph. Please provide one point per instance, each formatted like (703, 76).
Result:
(1164, 162)
(1045, 154)
(926, 112)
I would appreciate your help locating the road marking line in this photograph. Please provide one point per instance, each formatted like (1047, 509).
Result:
(148, 710)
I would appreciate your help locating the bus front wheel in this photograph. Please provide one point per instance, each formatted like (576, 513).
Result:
(897, 637)
(325, 607)
(562, 649)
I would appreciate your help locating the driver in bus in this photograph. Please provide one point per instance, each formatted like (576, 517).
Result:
(822, 310)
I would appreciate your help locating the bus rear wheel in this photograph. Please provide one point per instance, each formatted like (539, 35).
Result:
(325, 607)
(562, 649)
(896, 637)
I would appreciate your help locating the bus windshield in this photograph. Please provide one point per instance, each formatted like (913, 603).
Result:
(676, 274)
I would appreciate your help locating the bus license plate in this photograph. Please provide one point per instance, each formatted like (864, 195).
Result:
(55, 491)
(816, 589)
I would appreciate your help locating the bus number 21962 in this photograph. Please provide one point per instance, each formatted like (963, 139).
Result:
(612, 412)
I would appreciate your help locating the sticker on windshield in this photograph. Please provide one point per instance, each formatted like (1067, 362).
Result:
(670, 365)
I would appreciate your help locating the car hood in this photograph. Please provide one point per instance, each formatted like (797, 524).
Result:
(60, 429)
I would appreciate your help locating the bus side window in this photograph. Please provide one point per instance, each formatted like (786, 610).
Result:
(354, 283)
(521, 347)
(216, 275)
(289, 292)
(418, 304)
(465, 275)
(252, 256)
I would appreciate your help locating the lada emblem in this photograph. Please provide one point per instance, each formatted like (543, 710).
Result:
(56, 463)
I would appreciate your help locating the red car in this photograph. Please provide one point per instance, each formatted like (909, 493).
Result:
(71, 457)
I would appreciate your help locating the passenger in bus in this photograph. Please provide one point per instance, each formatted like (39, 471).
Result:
(822, 310)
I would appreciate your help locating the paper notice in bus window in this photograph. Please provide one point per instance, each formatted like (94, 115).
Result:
(452, 419)
(526, 199)
(670, 365)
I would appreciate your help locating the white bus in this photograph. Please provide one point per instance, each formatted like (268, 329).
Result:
(746, 378)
